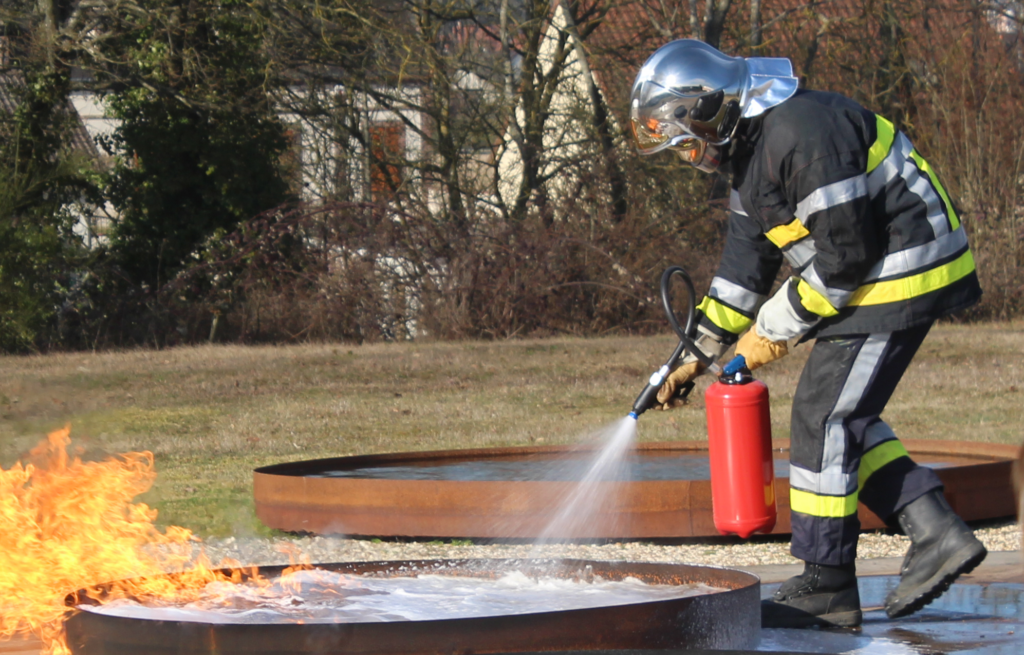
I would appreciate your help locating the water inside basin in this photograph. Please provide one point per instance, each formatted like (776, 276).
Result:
(319, 596)
(641, 467)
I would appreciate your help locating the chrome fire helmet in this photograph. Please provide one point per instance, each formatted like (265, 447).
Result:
(689, 97)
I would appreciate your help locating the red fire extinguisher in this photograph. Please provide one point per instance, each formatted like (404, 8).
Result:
(739, 427)
(740, 450)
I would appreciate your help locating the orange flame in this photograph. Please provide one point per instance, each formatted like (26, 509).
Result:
(67, 525)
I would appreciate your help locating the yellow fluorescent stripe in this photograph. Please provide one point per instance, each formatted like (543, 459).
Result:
(880, 293)
(724, 317)
(883, 142)
(814, 301)
(786, 234)
(954, 221)
(878, 457)
(827, 506)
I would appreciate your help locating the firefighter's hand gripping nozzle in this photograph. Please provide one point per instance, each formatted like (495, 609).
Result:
(648, 398)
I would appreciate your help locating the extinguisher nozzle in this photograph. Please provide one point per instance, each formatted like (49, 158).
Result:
(633, 415)
(648, 398)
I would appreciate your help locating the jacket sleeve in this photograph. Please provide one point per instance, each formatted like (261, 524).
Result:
(744, 277)
(827, 185)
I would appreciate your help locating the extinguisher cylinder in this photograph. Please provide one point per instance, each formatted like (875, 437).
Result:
(740, 450)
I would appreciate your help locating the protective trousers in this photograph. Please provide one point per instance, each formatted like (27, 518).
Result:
(841, 451)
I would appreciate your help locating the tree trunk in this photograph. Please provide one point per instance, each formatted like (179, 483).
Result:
(601, 123)
(755, 24)
(48, 30)
(714, 21)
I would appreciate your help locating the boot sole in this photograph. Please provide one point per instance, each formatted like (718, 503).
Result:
(967, 559)
(850, 619)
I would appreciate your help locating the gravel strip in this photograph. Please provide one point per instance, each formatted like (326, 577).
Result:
(1003, 536)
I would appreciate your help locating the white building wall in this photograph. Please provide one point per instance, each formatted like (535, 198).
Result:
(90, 109)
(565, 137)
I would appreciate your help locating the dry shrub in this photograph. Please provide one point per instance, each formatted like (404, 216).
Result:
(294, 275)
(971, 100)
(949, 74)
(361, 272)
(532, 279)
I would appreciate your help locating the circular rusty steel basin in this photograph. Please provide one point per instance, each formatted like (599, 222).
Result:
(728, 619)
(310, 496)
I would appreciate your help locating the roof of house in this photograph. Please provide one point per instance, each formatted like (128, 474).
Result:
(12, 80)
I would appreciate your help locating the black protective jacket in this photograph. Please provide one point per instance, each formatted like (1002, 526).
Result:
(862, 218)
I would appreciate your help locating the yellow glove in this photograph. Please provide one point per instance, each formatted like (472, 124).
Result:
(758, 350)
(675, 380)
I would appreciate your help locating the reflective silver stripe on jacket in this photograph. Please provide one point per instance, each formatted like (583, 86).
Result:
(832, 195)
(838, 298)
(735, 295)
(877, 434)
(735, 204)
(898, 163)
(920, 256)
(801, 253)
(901, 262)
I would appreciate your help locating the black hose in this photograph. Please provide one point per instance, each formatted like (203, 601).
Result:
(685, 335)
(666, 301)
(649, 396)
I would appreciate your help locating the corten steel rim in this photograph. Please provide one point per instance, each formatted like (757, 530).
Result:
(288, 499)
(725, 620)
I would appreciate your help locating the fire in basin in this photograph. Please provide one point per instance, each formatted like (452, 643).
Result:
(67, 524)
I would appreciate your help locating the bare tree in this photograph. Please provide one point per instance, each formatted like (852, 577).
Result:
(715, 14)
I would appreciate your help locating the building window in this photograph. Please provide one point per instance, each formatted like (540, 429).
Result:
(387, 149)
(291, 158)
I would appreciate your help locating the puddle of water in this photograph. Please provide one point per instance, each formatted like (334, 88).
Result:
(967, 620)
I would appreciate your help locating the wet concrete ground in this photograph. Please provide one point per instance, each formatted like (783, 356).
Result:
(982, 615)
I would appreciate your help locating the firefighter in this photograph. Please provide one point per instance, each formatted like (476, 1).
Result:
(877, 253)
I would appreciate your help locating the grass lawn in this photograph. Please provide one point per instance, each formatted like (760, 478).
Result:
(211, 414)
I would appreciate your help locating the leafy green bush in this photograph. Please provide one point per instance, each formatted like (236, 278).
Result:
(41, 180)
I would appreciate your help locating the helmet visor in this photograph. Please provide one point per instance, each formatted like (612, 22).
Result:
(690, 150)
(661, 116)
(700, 154)
(649, 135)
(651, 116)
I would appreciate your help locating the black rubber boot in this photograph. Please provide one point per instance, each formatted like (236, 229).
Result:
(942, 548)
(824, 596)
